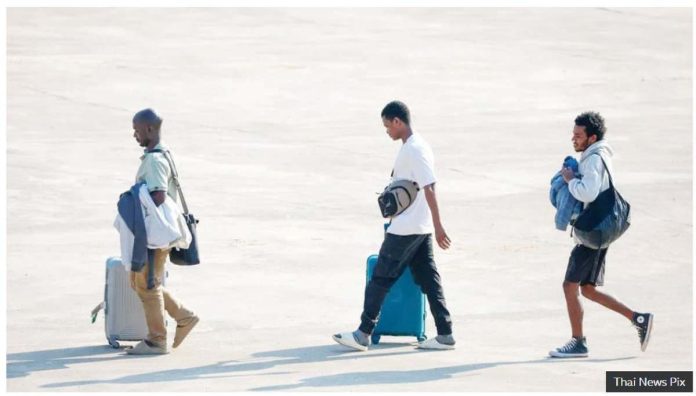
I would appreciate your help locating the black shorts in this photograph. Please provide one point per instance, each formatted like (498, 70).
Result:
(586, 266)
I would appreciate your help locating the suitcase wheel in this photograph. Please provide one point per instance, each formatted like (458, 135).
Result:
(114, 344)
(375, 339)
(422, 338)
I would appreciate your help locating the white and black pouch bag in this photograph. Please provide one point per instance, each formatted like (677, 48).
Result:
(397, 197)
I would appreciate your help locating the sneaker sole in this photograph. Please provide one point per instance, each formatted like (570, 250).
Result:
(145, 353)
(644, 345)
(445, 348)
(355, 346)
(556, 354)
(436, 347)
(132, 352)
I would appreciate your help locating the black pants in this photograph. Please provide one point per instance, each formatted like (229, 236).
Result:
(397, 253)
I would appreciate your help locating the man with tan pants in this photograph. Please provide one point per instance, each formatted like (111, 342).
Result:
(155, 172)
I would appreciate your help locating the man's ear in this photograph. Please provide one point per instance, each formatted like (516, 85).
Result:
(592, 140)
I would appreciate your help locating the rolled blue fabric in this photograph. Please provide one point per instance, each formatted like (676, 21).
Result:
(566, 205)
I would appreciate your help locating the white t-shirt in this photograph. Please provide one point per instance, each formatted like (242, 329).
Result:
(415, 162)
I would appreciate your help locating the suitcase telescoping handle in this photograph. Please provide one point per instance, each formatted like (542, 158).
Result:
(96, 310)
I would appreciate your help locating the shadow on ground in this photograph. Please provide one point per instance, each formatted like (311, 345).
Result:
(407, 376)
(23, 363)
(272, 359)
(267, 360)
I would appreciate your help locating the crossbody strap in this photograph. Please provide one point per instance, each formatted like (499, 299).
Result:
(611, 181)
(175, 175)
(611, 186)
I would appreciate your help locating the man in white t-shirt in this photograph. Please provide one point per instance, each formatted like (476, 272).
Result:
(408, 240)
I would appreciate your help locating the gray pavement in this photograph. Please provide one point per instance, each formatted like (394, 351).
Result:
(273, 117)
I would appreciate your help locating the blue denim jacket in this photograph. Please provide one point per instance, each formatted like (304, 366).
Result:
(561, 199)
(129, 209)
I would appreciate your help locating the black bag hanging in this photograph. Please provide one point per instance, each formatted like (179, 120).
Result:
(182, 256)
(605, 219)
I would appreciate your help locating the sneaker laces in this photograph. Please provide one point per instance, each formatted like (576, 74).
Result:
(569, 346)
(639, 322)
(641, 330)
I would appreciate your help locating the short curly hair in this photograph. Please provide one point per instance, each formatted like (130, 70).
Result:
(397, 109)
(593, 123)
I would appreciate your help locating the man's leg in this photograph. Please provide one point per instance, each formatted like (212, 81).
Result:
(580, 269)
(153, 299)
(577, 346)
(575, 312)
(596, 278)
(394, 255)
(174, 308)
(643, 322)
(426, 276)
(186, 320)
(591, 293)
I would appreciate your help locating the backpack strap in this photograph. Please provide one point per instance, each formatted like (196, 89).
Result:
(611, 181)
(611, 185)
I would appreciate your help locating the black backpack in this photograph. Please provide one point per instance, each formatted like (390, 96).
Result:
(605, 219)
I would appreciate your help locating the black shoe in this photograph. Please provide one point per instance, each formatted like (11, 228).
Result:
(643, 322)
(574, 348)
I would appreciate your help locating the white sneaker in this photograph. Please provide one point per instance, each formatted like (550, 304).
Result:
(433, 343)
(348, 340)
(147, 348)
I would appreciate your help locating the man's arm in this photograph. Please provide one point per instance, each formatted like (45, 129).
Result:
(588, 188)
(440, 235)
(157, 179)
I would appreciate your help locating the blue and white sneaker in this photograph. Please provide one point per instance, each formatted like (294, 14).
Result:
(576, 347)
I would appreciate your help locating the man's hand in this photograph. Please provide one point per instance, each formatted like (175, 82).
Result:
(440, 234)
(441, 237)
(567, 174)
(132, 280)
(158, 197)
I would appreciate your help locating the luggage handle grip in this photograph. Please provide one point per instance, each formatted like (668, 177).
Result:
(96, 310)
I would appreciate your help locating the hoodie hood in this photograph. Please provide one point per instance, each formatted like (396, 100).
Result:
(601, 147)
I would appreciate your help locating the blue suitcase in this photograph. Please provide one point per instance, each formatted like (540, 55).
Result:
(403, 311)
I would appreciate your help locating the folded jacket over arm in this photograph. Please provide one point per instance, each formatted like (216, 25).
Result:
(566, 205)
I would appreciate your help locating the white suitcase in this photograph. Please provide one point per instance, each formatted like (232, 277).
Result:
(124, 317)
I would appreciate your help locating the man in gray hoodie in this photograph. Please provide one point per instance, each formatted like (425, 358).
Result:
(586, 266)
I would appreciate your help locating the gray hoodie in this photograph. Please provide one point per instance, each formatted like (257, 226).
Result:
(594, 177)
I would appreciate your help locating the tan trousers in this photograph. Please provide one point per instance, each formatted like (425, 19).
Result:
(157, 300)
